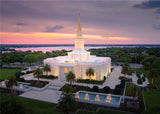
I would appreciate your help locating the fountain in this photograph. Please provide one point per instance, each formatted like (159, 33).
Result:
(77, 95)
(21, 86)
(97, 98)
(108, 98)
(3, 83)
(86, 96)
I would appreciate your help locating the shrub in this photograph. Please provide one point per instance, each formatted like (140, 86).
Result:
(122, 83)
(95, 89)
(104, 78)
(20, 79)
(139, 81)
(125, 79)
(106, 89)
(118, 89)
(144, 79)
(129, 72)
(17, 74)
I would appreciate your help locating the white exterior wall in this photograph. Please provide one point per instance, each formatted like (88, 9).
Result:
(101, 69)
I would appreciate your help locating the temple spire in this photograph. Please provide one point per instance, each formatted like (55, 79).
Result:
(79, 32)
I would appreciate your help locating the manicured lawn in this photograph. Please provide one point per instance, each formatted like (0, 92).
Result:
(101, 111)
(6, 73)
(129, 89)
(152, 101)
(39, 107)
(139, 70)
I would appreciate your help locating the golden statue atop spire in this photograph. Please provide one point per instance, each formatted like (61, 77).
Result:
(79, 31)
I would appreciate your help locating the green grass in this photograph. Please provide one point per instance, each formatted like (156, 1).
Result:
(6, 73)
(152, 101)
(101, 111)
(39, 107)
(140, 70)
(156, 80)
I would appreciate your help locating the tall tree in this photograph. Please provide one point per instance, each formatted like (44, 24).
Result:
(70, 77)
(152, 74)
(47, 68)
(38, 72)
(30, 58)
(125, 69)
(90, 72)
(67, 103)
(11, 82)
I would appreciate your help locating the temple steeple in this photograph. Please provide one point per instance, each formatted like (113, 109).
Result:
(79, 53)
(79, 41)
(79, 31)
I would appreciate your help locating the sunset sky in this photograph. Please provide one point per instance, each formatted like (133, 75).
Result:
(103, 22)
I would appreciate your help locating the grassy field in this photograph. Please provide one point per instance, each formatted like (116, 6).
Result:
(38, 107)
(6, 73)
(101, 111)
(152, 101)
(140, 70)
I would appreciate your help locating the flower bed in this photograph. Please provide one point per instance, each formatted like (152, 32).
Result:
(125, 79)
(39, 84)
(48, 77)
(90, 82)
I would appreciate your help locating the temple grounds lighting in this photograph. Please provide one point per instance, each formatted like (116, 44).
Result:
(77, 95)
(86, 96)
(3, 83)
(97, 98)
(108, 98)
(21, 86)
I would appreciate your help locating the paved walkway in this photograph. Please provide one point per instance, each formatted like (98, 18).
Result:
(52, 93)
(48, 95)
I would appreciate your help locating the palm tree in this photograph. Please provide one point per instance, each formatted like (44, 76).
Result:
(38, 72)
(67, 102)
(70, 77)
(90, 72)
(134, 92)
(152, 74)
(11, 82)
(67, 89)
(125, 69)
(47, 69)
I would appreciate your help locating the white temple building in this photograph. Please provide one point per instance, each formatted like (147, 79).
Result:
(78, 61)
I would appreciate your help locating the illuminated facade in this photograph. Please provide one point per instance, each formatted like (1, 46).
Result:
(78, 61)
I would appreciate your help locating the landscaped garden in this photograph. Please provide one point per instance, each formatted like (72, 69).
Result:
(39, 84)
(90, 82)
(48, 77)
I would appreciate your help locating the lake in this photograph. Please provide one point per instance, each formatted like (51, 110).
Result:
(50, 49)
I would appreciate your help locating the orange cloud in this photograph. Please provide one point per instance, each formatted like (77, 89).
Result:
(51, 38)
(119, 38)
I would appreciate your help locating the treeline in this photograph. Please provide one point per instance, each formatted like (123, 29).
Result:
(130, 55)
(29, 56)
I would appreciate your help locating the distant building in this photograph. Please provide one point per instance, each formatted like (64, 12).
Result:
(78, 61)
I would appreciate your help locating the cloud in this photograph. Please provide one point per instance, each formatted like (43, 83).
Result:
(20, 24)
(54, 29)
(151, 4)
(157, 27)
